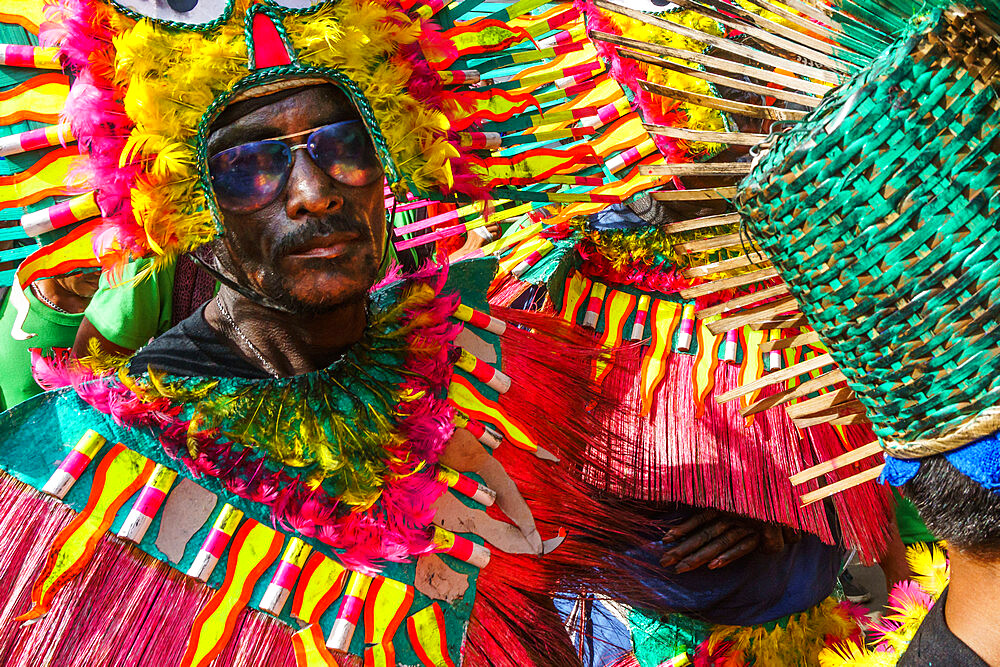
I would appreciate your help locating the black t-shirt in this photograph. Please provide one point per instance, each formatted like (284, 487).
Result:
(194, 349)
(934, 645)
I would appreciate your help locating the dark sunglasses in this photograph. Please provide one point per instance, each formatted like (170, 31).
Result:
(250, 176)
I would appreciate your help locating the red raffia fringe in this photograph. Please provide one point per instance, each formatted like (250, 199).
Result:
(127, 609)
(720, 461)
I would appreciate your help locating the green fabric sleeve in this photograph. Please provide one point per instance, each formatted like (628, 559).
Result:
(132, 308)
(51, 329)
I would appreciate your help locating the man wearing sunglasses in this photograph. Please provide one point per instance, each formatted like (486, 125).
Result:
(300, 192)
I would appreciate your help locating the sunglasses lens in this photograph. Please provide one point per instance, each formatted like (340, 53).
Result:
(248, 177)
(345, 152)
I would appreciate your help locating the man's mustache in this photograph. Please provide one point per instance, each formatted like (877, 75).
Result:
(312, 228)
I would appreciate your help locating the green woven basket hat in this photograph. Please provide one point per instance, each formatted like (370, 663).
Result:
(881, 211)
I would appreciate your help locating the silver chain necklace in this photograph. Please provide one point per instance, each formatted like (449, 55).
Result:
(41, 297)
(246, 341)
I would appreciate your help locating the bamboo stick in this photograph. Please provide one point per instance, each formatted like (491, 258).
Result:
(741, 108)
(728, 283)
(744, 300)
(719, 267)
(823, 381)
(791, 322)
(837, 462)
(751, 315)
(695, 194)
(805, 100)
(828, 416)
(842, 485)
(727, 66)
(759, 29)
(777, 376)
(820, 403)
(804, 23)
(792, 341)
(735, 138)
(701, 223)
(696, 169)
(723, 44)
(710, 243)
(847, 420)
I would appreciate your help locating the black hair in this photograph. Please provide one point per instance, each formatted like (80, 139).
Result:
(956, 508)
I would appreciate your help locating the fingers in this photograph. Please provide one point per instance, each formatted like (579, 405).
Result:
(715, 549)
(772, 538)
(682, 529)
(744, 547)
(694, 542)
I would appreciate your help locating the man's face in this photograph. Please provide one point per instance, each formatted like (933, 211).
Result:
(319, 243)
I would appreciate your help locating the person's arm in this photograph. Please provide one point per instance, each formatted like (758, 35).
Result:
(87, 333)
(715, 539)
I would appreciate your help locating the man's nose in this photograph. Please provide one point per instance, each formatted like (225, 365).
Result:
(310, 190)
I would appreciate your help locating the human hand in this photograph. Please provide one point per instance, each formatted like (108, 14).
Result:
(715, 539)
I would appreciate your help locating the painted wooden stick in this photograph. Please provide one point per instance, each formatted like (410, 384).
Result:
(696, 194)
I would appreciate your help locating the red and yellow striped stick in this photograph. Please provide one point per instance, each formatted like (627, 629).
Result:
(639, 323)
(482, 371)
(594, 305)
(29, 140)
(451, 77)
(349, 613)
(456, 546)
(481, 431)
(23, 55)
(467, 486)
(59, 215)
(148, 503)
(283, 580)
(533, 258)
(254, 549)
(215, 543)
(71, 467)
(480, 320)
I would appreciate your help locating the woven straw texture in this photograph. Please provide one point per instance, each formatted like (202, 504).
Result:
(881, 212)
